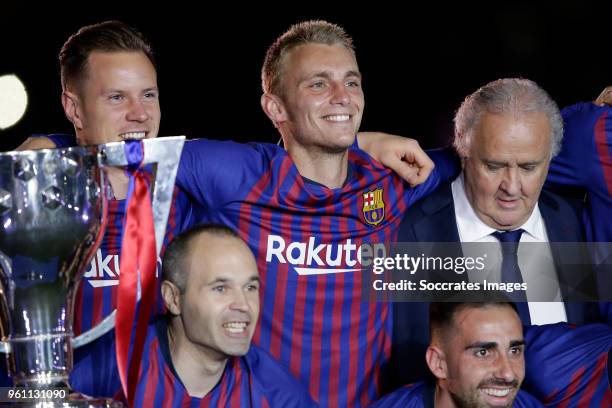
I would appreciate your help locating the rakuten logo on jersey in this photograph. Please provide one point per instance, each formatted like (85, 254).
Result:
(103, 271)
(310, 258)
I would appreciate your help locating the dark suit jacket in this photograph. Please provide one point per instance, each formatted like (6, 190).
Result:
(433, 220)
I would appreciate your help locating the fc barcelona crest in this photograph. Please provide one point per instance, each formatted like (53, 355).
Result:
(373, 206)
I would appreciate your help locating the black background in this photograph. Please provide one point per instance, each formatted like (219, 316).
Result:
(418, 61)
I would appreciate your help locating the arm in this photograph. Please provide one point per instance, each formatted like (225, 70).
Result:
(605, 97)
(400, 154)
(36, 143)
(51, 141)
(566, 364)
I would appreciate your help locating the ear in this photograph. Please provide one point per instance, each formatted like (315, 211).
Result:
(274, 108)
(172, 297)
(72, 108)
(436, 361)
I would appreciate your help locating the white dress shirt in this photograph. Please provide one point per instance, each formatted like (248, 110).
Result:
(535, 260)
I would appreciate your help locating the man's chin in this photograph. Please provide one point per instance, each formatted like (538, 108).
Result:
(236, 351)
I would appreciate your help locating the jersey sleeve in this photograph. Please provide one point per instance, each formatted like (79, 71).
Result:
(213, 172)
(570, 167)
(408, 396)
(447, 162)
(447, 167)
(567, 366)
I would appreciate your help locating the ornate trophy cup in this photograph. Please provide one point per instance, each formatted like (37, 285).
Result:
(52, 205)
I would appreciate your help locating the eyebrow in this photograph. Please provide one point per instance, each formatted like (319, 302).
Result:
(488, 345)
(117, 90)
(253, 278)
(516, 343)
(328, 75)
(499, 163)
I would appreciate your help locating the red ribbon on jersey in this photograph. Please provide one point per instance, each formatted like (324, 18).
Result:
(138, 259)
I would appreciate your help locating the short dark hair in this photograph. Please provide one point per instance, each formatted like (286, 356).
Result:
(441, 314)
(173, 265)
(108, 36)
(307, 32)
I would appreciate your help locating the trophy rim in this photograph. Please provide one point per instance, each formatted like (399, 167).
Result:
(84, 149)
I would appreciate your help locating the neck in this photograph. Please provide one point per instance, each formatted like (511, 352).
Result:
(198, 367)
(327, 168)
(119, 182)
(443, 398)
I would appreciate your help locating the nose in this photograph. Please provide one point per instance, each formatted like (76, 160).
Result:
(511, 182)
(240, 301)
(137, 111)
(504, 369)
(340, 95)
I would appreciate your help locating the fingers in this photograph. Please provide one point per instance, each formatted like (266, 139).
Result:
(605, 97)
(423, 163)
(410, 162)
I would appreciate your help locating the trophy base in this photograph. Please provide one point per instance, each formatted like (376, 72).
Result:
(73, 401)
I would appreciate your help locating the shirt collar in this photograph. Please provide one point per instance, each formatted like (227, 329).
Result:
(470, 226)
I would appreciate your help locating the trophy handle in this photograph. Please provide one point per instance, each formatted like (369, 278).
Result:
(165, 152)
(5, 264)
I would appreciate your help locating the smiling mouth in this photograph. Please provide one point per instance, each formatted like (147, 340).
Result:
(337, 118)
(497, 392)
(235, 327)
(133, 135)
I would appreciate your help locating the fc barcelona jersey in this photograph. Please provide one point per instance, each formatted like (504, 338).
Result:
(96, 295)
(311, 244)
(585, 162)
(572, 364)
(254, 380)
(422, 395)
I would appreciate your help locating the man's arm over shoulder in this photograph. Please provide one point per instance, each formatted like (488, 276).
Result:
(36, 143)
(212, 172)
(447, 168)
(51, 141)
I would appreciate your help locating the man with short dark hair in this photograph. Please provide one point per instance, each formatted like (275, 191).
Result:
(109, 94)
(476, 354)
(199, 353)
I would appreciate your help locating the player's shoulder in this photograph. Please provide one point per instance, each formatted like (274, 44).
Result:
(525, 400)
(584, 108)
(566, 336)
(581, 118)
(273, 377)
(211, 148)
(262, 363)
(409, 396)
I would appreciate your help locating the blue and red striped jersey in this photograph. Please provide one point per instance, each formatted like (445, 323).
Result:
(572, 364)
(421, 395)
(96, 295)
(585, 162)
(253, 380)
(311, 243)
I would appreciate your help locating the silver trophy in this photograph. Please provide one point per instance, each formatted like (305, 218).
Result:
(52, 203)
